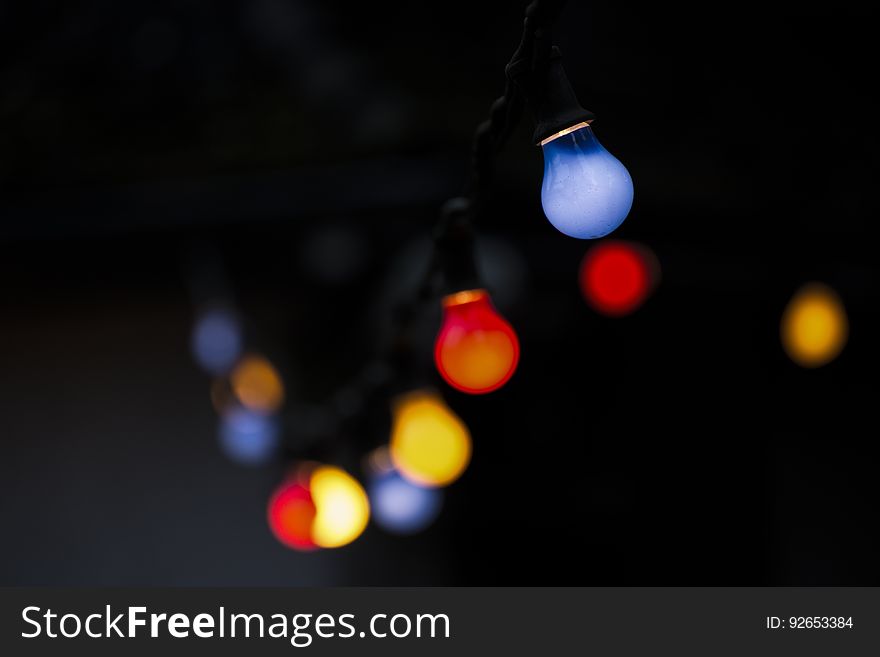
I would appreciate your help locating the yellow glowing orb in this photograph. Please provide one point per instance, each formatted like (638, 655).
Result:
(342, 507)
(814, 326)
(430, 445)
(257, 384)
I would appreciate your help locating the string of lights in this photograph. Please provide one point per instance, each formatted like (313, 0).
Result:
(362, 298)
(586, 193)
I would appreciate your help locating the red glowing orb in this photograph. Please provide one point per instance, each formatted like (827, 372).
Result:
(616, 277)
(476, 350)
(291, 514)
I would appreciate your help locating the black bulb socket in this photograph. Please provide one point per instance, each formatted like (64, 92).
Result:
(549, 95)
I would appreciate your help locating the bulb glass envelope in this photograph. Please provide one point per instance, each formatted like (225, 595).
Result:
(586, 192)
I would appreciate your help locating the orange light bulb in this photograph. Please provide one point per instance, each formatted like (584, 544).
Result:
(476, 349)
(257, 384)
(814, 326)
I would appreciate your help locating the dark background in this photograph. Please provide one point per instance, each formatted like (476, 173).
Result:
(302, 149)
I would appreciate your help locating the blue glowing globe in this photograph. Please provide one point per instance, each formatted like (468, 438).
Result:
(249, 438)
(587, 192)
(402, 507)
(217, 340)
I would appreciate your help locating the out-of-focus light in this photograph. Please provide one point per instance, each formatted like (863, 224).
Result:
(291, 515)
(586, 192)
(257, 384)
(400, 506)
(247, 437)
(476, 350)
(429, 444)
(343, 509)
(216, 340)
(814, 326)
(616, 277)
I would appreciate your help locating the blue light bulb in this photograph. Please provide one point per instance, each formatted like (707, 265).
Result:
(400, 506)
(217, 340)
(249, 438)
(587, 192)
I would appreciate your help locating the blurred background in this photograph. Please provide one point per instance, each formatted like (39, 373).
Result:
(286, 159)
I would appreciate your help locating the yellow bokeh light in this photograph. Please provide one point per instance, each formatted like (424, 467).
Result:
(257, 384)
(342, 507)
(430, 445)
(814, 326)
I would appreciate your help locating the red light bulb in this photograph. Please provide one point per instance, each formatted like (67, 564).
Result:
(291, 514)
(476, 349)
(616, 277)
